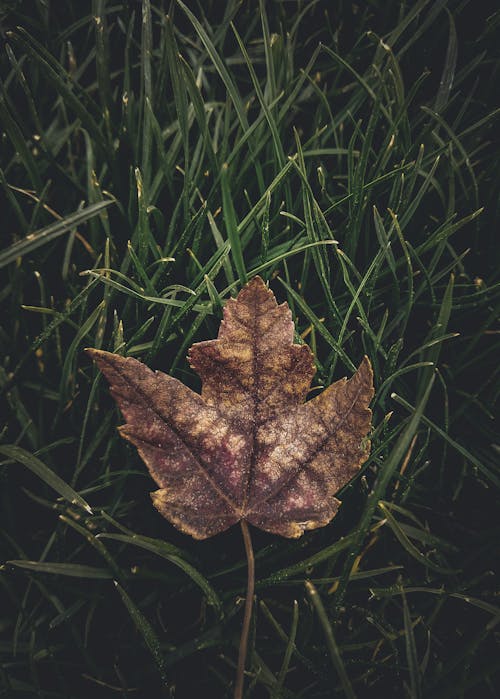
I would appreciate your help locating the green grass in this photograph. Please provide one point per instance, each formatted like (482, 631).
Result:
(153, 158)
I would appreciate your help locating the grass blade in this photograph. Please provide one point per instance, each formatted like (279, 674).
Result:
(147, 632)
(73, 570)
(331, 643)
(386, 473)
(171, 553)
(15, 453)
(45, 235)
(411, 652)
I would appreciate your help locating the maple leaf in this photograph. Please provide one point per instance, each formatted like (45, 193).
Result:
(249, 448)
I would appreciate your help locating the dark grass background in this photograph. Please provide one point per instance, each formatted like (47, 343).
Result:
(153, 157)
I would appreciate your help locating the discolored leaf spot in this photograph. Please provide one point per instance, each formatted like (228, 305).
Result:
(249, 447)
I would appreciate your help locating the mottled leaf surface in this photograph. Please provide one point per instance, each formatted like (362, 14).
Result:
(250, 446)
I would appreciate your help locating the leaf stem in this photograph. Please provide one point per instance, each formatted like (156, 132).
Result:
(242, 654)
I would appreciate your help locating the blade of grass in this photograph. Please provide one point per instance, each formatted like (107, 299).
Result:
(411, 652)
(172, 554)
(290, 646)
(35, 240)
(147, 632)
(492, 477)
(73, 570)
(409, 547)
(331, 643)
(15, 453)
(385, 475)
(232, 232)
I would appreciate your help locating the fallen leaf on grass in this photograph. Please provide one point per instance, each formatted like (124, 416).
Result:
(249, 447)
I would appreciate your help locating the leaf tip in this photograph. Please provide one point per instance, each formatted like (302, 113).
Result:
(85, 506)
(91, 351)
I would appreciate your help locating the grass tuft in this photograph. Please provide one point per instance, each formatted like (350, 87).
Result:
(156, 156)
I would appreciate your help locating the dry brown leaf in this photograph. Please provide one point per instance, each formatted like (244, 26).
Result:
(249, 447)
